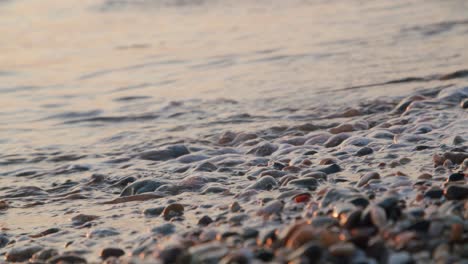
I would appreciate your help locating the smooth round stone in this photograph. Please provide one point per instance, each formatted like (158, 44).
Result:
(309, 183)
(456, 192)
(205, 220)
(264, 183)
(3, 240)
(20, 254)
(211, 252)
(310, 251)
(83, 218)
(111, 252)
(173, 210)
(336, 140)
(67, 259)
(167, 153)
(316, 175)
(152, 212)
(164, 229)
(334, 168)
(139, 187)
(206, 166)
(263, 149)
(364, 151)
(235, 207)
(44, 254)
(464, 104)
(367, 177)
(191, 158)
(400, 258)
(359, 201)
(102, 232)
(272, 207)
(342, 249)
(434, 193)
(214, 189)
(174, 254)
(459, 176)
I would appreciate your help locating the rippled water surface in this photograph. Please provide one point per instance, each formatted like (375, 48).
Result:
(87, 86)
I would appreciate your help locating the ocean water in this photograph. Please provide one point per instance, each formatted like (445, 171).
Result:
(87, 86)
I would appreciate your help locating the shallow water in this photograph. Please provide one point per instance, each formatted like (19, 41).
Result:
(87, 86)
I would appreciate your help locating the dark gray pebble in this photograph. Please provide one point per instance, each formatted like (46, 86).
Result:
(334, 168)
(152, 212)
(434, 193)
(364, 151)
(456, 192)
(167, 153)
(205, 220)
(142, 186)
(111, 252)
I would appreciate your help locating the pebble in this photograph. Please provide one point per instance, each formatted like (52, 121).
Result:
(272, 207)
(464, 104)
(173, 210)
(342, 249)
(174, 254)
(434, 193)
(308, 183)
(311, 251)
(211, 252)
(263, 149)
(367, 177)
(334, 168)
(83, 218)
(336, 140)
(235, 207)
(459, 176)
(152, 212)
(205, 220)
(264, 183)
(170, 152)
(102, 232)
(456, 192)
(139, 187)
(164, 229)
(20, 254)
(68, 258)
(111, 252)
(364, 151)
(3, 240)
(44, 255)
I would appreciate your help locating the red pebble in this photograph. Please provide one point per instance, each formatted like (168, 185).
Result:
(302, 198)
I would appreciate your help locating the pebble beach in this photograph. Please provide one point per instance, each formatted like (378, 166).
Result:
(172, 147)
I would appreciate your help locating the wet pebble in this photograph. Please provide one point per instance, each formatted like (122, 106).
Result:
(205, 220)
(83, 218)
(170, 152)
(164, 229)
(456, 192)
(173, 210)
(336, 140)
(264, 183)
(364, 151)
(211, 252)
(367, 177)
(342, 249)
(111, 252)
(142, 186)
(102, 232)
(20, 254)
(263, 149)
(434, 193)
(68, 258)
(152, 212)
